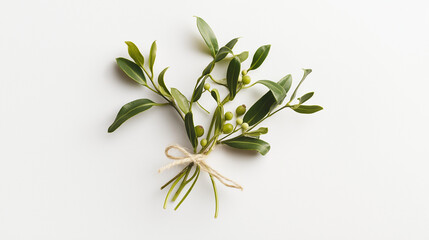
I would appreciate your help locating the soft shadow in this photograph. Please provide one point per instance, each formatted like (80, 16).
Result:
(237, 154)
(198, 41)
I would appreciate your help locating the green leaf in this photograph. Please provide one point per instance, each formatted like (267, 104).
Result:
(277, 90)
(305, 97)
(135, 54)
(243, 56)
(258, 132)
(307, 109)
(232, 74)
(306, 72)
(286, 82)
(190, 129)
(198, 91)
(132, 70)
(223, 51)
(215, 95)
(231, 43)
(208, 36)
(259, 56)
(152, 56)
(263, 106)
(219, 119)
(209, 68)
(248, 143)
(259, 109)
(181, 100)
(130, 109)
(163, 88)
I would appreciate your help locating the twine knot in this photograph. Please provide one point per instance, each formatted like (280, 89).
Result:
(199, 160)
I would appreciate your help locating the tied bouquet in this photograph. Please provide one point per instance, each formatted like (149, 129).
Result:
(244, 133)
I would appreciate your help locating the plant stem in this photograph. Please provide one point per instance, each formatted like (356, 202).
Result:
(151, 79)
(213, 145)
(216, 198)
(151, 89)
(203, 108)
(161, 104)
(215, 81)
(182, 185)
(192, 177)
(235, 130)
(171, 189)
(174, 178)
(190, 189)
(249, 86)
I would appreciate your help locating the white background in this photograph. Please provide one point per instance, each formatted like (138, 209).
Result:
(356, 170)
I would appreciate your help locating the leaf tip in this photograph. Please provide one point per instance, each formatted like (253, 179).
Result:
(307, 70)
(111, 129)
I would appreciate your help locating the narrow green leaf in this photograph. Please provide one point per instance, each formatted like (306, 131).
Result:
(248, 143)
(208, 36)
(190, 129)
(198, 91)
(258, 132)
(132, 70)
(223, 51)
(215, 95)
(287, 82)
(305, 97)
(307, 109)
(152, 56)
(243, 56)
(209, 68)
(232, 74)
(259, 56)
(277, 90)
(130, 109)
(163, 88)
(263, 106)
(181, 100)
(219, 119)
(306, 72)
(259, 109)
(135, 54)
(231, 43)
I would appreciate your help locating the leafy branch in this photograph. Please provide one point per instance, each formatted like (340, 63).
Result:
(241, 134)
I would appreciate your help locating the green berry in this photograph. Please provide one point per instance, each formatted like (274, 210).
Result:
(227, 128)
(228, 116)
(207, 86)
(203, 142)
(240, 110)
(246, 79)
(244, 72)
(244, 126)
(199, 130)
(239, 121)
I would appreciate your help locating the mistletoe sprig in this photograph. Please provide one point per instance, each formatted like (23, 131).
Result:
(241, 135)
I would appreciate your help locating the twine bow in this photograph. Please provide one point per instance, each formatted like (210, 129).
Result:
(199, 160)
